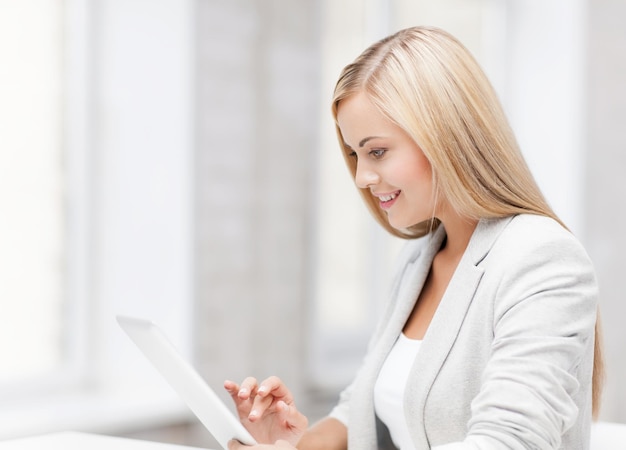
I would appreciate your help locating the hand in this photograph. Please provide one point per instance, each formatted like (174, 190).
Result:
(267, 410)
(236, 445)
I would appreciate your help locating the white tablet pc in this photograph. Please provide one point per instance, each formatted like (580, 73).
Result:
(189, 385)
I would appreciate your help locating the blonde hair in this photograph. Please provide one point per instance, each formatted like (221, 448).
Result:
(425, 81)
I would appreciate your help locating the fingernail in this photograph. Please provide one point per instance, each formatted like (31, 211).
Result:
(243, 391)
(262, 389)
(253, 413)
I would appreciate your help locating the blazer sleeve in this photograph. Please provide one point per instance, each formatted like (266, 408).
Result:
(544, 317)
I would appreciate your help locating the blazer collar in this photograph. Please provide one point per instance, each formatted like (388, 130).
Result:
(362, 432)
(485, 235)
(418, 265)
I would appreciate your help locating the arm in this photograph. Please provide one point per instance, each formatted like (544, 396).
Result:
(535, 386)
(327, 434)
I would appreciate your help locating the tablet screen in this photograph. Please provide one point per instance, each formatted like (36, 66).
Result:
(183, 378)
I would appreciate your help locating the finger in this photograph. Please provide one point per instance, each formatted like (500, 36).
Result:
(234, 444)
(291, 417)
(283, 444)
(269, 392)
(242, 405)
(275, 386)
(248, 387)
(231, 387)
(259, 406)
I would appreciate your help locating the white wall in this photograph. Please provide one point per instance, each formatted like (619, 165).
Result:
(605, 164)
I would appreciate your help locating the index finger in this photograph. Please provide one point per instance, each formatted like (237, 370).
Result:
(248, 388)
(275, 386)
(233, 389)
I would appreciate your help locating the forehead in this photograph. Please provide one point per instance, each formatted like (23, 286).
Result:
(357, 105)
(358, 117)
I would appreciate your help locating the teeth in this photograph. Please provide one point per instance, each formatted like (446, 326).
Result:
(386, 198)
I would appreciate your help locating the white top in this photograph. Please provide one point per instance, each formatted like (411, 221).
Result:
(390, 387)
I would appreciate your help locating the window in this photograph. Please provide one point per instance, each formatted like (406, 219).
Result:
(102, 139)
(33, 195)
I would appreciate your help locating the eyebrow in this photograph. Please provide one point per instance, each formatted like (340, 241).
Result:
(362, 142)
(365, 140)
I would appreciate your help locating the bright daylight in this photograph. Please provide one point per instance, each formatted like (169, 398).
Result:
(356, 224)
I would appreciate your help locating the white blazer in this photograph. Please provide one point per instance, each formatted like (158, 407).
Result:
(507, 359)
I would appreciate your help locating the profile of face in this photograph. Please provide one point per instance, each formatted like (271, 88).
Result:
(388, 162)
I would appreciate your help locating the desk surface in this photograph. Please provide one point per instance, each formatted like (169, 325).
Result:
(83, 441)
(604, 436)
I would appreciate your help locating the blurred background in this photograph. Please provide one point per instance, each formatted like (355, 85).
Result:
(176, 160)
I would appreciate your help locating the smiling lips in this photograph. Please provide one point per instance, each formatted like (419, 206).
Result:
(387, 200)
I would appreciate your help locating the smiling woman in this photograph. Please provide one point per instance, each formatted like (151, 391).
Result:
(353, 256)
(495, 296)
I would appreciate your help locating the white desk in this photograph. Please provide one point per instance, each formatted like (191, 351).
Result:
(604, 436)
(83, 441)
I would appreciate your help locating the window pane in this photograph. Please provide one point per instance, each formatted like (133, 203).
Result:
(31, 188)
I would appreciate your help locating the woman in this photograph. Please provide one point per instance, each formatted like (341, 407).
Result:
(488, 341)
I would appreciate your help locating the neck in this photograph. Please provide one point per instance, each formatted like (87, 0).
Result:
(459, 230)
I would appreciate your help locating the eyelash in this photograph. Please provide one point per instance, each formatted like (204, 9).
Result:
(376, 153)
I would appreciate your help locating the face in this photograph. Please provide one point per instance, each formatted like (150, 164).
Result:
(389, 163)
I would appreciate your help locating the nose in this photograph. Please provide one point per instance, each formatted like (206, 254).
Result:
(365, 176)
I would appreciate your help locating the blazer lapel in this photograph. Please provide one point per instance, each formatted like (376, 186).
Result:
(362, 433)
(438, 340)
(446, 323)
(409, 289)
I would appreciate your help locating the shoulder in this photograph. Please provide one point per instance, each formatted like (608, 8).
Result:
(539, 227)
(535, 255)
(531, 237)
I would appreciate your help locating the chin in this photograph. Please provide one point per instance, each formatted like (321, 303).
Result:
(404, 224)
(400, 226)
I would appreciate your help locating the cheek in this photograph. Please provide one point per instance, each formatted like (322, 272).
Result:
(417, 175)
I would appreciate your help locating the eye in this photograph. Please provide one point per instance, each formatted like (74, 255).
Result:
(377, 153)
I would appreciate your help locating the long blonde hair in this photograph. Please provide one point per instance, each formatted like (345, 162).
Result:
(424, 80)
